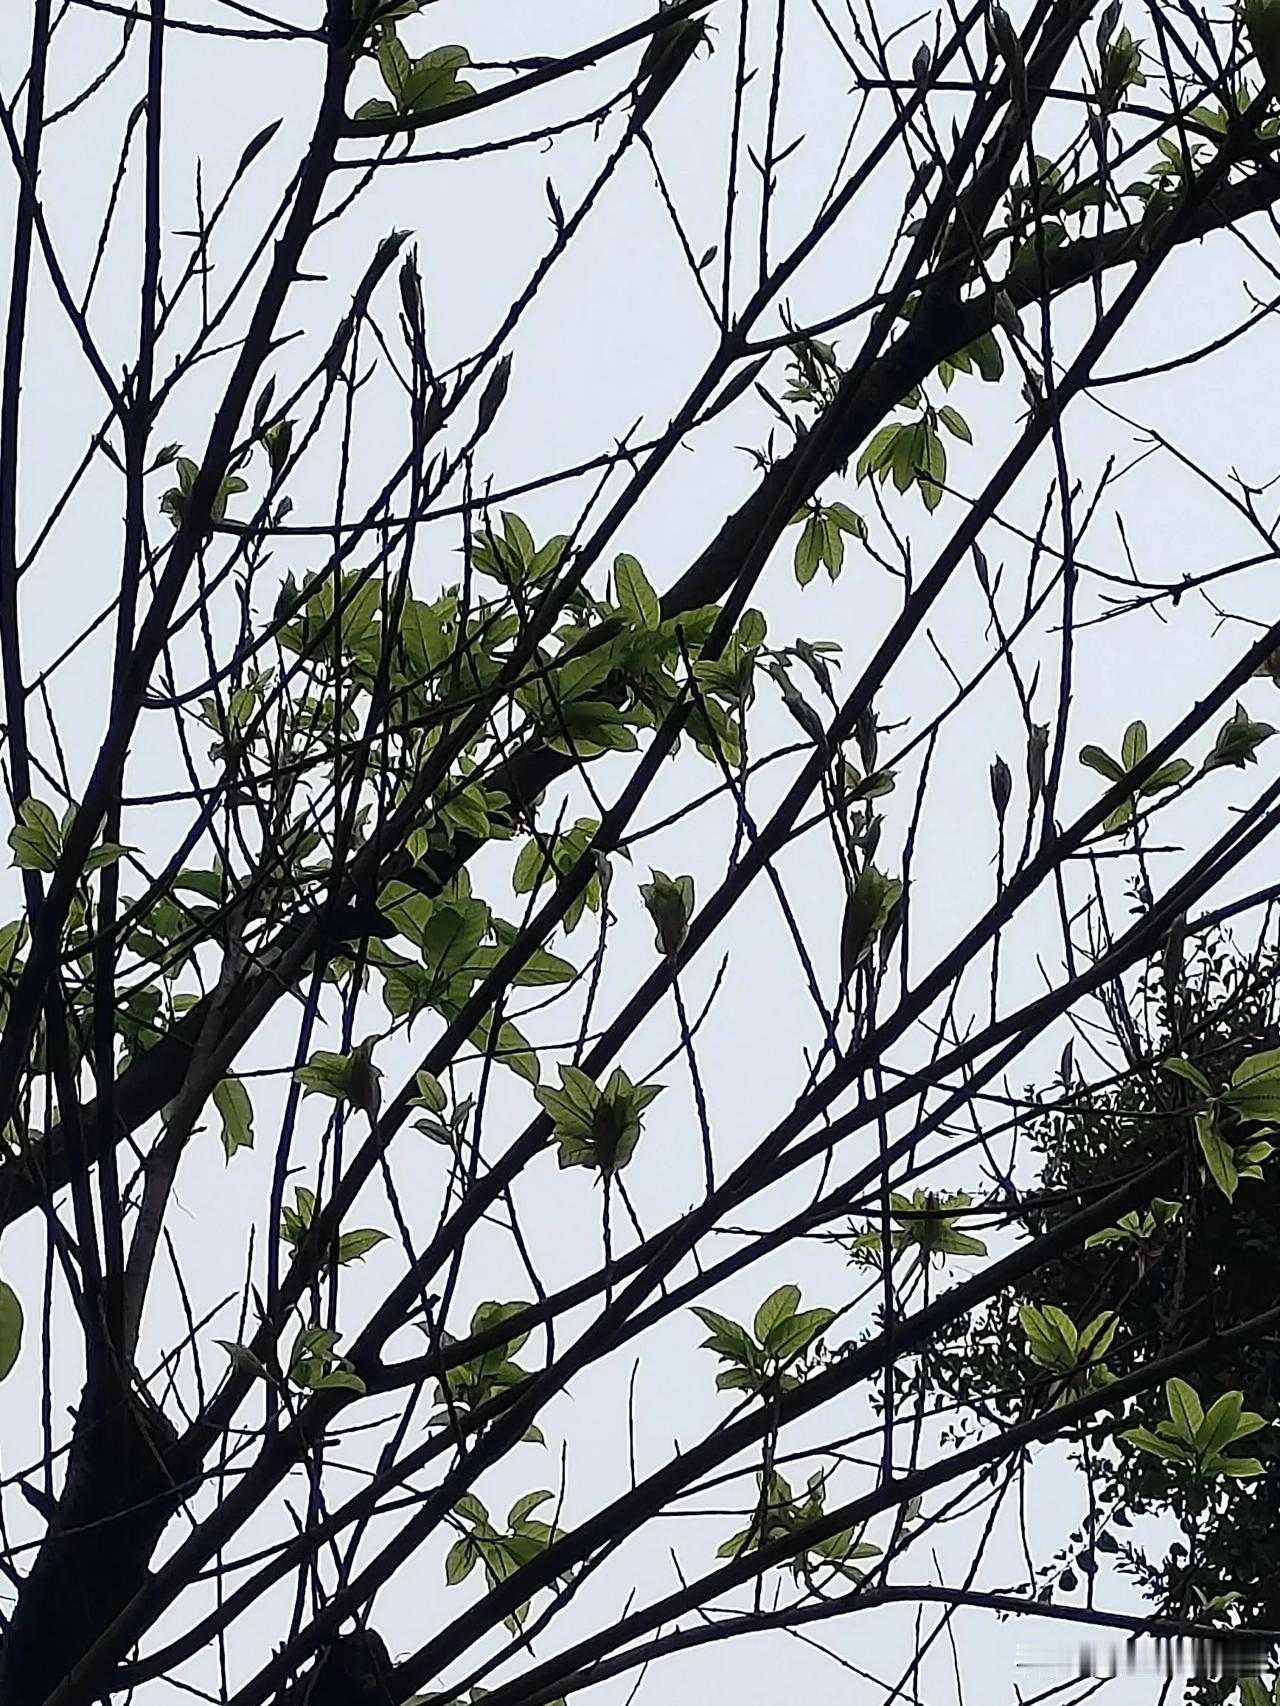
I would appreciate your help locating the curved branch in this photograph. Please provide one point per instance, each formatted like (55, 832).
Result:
(399, 124)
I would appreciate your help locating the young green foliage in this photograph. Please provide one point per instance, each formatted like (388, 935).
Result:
(669, 902)
(592, 1126)
(1133, 749)
(1198, 1439)
(501, 1553)
(10, 1328)
(470, 1386)
(924, 1221)
(416, 85)
(296, 1223)
(315, 1366)
(1253, 1095)
(666, 54)
(769, 1357)
(1055, 1342)
(780, 1515)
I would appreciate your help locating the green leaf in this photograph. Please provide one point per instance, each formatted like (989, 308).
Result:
(353, 1245)
(1095, 1340)
(492, 1314)
(1218, 1155)
(232, 1102)
(1238, 741)
(1249, 1422)
(729, 1339)
(669, 902)
(737, 1380)
(1239, 1468)
(1170, 775)
(735, 1543)
(540, 968)
(868, 907)
(1184, 1069)
(461, 1560)
(1122, 814)
(877, 456)
(243, 1359)
(298, 1219)
(518, 539)
(314, 1342)
(635, 595)
(933, 465)
(778, 1306)
(1102, 762)
(1051, 1335)
(952, 1243)
(471, 1510)
(406, 991)
(1133, 748)
(955, 423)
(526, 1505)
(211, 884)
(433, 80)
(796, 1333)
(809, 549)
(1218, 1425)
(36, 838)
(339, 1380)
(589, 728)
(467, 813)
(277, 441)
(1108, 1235)
(1061, 1325)
(847, 520)
(667, 53)
(511, 1049)
(1146, 1441)
(752, 629)
(431, 1093)
(325, 1074)
(395, 65)
(832, 546)
(908, 456)
(547, 558)
(105, 853)
(987, 356)
(1255, 1087)
(493, 395)
(10, 1328)
(1262, 1102)
(1185, 1409)
(1255, 1066)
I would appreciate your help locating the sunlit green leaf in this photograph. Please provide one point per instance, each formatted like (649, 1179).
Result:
(232, 1102)
(10, 1328)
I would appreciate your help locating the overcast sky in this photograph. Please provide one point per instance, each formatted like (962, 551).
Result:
(608, 348)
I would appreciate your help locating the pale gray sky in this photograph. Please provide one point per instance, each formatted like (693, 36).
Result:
(611, 339)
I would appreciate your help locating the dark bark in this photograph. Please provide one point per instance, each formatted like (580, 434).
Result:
(117, 1499)
(355, 1670)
